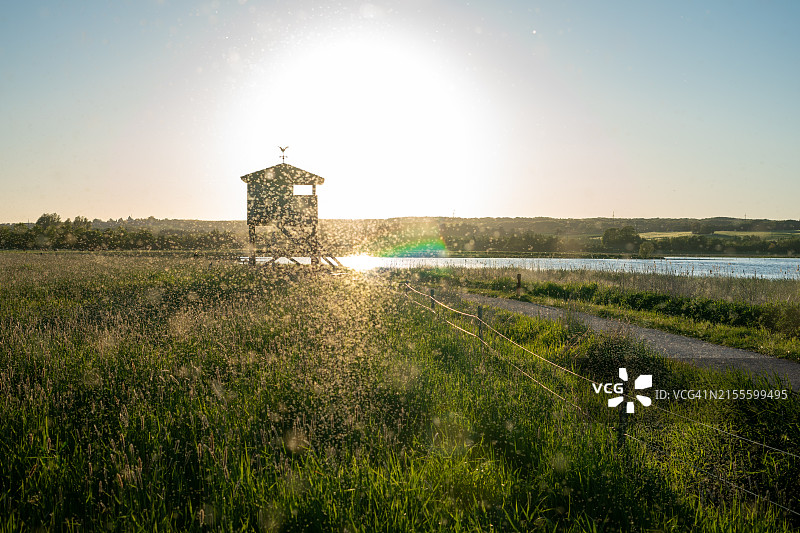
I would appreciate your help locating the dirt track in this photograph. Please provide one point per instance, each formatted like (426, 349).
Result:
(696, 351)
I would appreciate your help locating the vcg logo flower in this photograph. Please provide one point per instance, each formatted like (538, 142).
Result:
(645, 381)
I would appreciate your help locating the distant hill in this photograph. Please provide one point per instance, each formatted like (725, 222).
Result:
(540, 225)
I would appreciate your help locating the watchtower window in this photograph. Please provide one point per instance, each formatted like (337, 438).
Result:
(302, 190)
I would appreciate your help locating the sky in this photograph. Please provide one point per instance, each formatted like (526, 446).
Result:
(497, 108)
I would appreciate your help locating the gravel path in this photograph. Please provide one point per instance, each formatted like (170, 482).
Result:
(695, 351)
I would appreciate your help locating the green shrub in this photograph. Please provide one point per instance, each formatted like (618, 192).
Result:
(503, 284)
(778, 318)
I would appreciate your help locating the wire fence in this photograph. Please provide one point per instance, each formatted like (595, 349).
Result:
(481, 334)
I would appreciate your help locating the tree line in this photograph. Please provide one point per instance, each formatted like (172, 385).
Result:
(51, 233)
(624, 240)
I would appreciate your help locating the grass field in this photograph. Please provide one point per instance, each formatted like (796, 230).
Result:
(664, 234)
(771, 235)
(166, 394)
(761, 234)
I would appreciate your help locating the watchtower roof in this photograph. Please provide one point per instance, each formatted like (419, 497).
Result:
(283, 174)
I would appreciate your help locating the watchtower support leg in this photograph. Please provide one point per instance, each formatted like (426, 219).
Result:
(251, 230)
(314, 241)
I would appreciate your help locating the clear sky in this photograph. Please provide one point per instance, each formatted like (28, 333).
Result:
(406, 108)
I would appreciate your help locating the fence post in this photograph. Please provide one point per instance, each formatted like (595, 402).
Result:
(622, 425)
(433, 302)
(480, 322)
(519, 284)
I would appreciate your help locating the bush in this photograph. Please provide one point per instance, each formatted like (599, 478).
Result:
(778, 318)
(503, 284)
(789, 321)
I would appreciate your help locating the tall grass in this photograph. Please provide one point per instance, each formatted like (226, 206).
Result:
(158, 393)
(753, 291)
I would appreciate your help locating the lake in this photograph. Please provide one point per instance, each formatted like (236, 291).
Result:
(767, 268)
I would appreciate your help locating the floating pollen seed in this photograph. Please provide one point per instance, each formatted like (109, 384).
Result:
(270, 518)
(295, 441)
(153, 296)
(218, 389)
(559, 463)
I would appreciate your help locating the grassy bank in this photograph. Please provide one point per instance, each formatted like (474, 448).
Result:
(748, 313)
(161, 393)
(747, 290)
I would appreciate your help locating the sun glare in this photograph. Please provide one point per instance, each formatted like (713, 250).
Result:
(361, 262)
(381, 112)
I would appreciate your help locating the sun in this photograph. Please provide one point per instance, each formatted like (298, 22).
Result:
(389, 114)
(361, 262)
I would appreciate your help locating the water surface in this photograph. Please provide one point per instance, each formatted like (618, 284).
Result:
(760, 267)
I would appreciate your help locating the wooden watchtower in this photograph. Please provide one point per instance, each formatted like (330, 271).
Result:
(272, 201)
